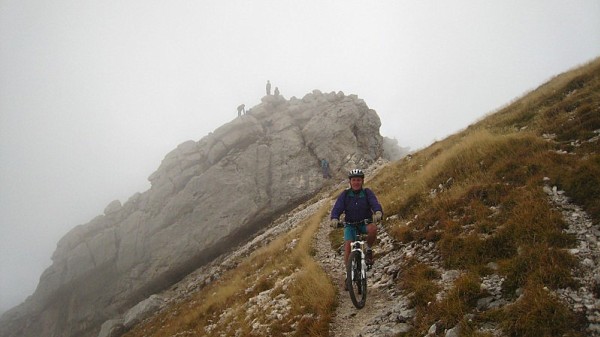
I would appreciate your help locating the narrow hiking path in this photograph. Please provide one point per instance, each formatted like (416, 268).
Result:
(381, 315)
(386, 311)
(348, 321)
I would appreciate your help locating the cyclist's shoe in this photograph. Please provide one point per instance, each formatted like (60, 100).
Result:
(369, 257)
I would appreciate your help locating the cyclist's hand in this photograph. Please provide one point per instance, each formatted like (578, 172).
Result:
(377, 216)
(335, 223)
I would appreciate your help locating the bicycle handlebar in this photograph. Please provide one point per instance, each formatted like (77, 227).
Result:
(358, 223)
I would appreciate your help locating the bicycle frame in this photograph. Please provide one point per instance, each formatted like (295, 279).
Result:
(360, 240)
(356, 269)
(360, 245)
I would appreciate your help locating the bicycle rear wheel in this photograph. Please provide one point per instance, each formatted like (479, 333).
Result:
(356, 280)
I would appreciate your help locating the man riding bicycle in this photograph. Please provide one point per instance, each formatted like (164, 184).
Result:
(358, 204)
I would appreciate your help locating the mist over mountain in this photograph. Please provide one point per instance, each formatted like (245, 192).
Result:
(492, 224)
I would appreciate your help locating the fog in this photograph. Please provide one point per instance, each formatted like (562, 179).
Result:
(94, 94)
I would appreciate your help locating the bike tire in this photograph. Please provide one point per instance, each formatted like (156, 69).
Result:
(356, 280)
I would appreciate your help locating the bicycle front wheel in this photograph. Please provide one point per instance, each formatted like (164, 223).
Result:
(356, 280)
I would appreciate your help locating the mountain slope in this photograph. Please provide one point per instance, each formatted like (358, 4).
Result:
(488, 200)
(492, 232)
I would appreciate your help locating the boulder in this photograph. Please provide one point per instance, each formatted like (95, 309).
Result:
(142, 310)
(112, 328)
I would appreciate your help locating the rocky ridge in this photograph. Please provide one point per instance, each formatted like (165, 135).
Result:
(205, 197)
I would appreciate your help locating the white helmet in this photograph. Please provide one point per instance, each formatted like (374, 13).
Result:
(356, 173)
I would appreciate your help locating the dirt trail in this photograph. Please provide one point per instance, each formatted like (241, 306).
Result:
(385, 311)
(348, 321)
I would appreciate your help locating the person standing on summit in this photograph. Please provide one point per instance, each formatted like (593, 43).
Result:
(268, 87)
(241, 109)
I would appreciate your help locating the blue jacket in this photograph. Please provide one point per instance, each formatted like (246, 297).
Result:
(357, 205)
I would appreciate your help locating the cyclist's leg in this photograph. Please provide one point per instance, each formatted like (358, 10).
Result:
(347, 245)
(371, 234)
(349, 235)
(371, 230)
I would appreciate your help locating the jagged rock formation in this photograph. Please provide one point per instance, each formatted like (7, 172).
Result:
(205, 197)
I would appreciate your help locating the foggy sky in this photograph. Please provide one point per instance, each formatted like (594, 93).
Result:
(94, 94)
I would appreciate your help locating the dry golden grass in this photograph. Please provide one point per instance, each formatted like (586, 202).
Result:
(451, 309)
(418, 280)
(460, 301)
(221, 307)
(539, 314)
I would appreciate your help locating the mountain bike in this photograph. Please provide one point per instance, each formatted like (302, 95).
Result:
(356, 269)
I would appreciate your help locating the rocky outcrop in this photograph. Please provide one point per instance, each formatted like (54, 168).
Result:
(205, 197)
(392, 150)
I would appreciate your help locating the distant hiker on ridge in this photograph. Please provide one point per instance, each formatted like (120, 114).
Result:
(268, 87)
(276, 91)
(241, 108)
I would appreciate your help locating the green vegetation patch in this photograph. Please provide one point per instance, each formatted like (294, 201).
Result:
(538, 313)
(418, 281)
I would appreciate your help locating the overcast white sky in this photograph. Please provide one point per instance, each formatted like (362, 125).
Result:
(94, 94)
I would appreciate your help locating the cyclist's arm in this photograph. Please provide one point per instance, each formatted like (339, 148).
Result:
(373, 202)
(338, 207)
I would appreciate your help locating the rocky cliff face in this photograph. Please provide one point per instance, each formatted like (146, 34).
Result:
(205, 197)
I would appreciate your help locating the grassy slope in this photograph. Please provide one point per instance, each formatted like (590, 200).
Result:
(488, 207)
(478, 195)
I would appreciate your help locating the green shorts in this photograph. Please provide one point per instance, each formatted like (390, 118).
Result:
(350, 232)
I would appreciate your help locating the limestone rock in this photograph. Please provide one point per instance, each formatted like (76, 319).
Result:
(113, 207)
(205, 197)
(112, 328)
(141, 310)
